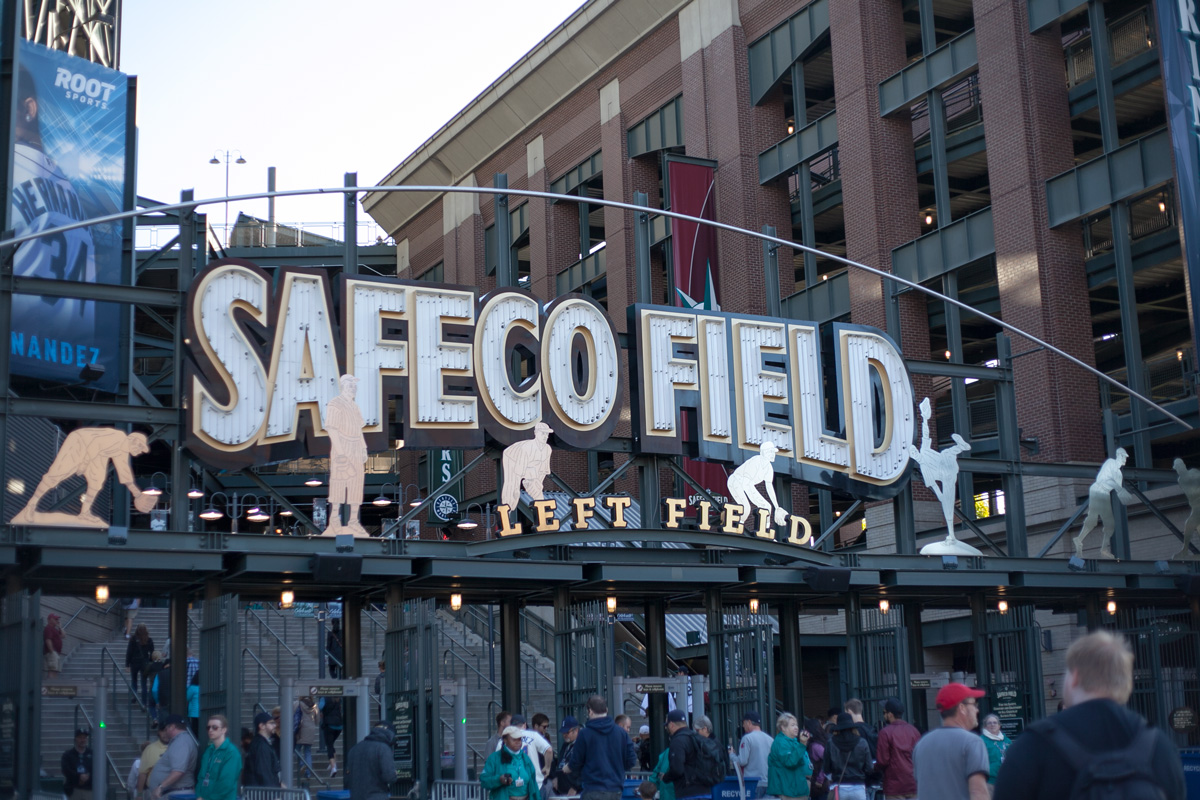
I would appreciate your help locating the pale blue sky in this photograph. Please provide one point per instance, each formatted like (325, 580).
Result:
(315, 88)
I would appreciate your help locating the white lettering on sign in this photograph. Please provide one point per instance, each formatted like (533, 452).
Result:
(82, 84)
(304, 368)
(780, 395)
(438, 358)
(580, 344)
(371, 354)
(216, 298)
(520, 407)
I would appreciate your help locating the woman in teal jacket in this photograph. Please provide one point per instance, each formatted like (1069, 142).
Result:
(788, 766)
(997, 744)
(666, 791)
(508, 772)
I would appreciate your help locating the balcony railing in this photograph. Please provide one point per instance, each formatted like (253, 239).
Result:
(959, 100)
(1127, 37)
(1168, 377)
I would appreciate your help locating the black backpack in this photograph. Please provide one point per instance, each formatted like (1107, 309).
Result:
(1123, 774)
(712, 761)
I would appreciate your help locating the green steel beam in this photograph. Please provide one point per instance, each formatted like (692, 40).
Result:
(823, 301)
(107, 292)
(944, 250)
(806, 143)
(662, 130)
(1044, 13)
(1110, 178)
(92, 412)
(579, 174)
(582, 272)
(959, 144)
(772, 55)
(937, 70)
(1137, 71)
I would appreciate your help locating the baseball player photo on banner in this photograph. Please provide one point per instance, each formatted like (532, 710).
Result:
(69, 165)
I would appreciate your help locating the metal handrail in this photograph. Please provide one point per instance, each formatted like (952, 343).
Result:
(117, 671)
(85, 605)
(246, 651)
(482, 677)
(474, 614)
(254, 613)
(107, 756)
(470, 746)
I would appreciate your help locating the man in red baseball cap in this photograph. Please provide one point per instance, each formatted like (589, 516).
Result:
(951, 762)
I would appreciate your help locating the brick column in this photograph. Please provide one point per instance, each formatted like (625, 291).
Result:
(1043, 288)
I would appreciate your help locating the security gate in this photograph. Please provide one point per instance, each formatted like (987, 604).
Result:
(1009, 668)
(1166, 690)
(20, 706)
(583, 648)
(878, 657)
(410, 653)
(741, 657)
(221, 654)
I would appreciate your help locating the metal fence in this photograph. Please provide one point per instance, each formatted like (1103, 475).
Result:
(273, 793)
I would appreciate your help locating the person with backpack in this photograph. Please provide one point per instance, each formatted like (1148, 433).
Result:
(708, 740)
(694, 769)
(951, 761)
(1096, 747)
(849, 759)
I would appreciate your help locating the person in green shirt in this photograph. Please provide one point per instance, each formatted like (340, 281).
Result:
(508, 772)
(788, 766)
(221, 764)
(666, 789)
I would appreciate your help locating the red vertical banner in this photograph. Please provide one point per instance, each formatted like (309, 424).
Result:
(695, 272)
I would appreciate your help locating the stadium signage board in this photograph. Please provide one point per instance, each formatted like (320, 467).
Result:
(459, 370)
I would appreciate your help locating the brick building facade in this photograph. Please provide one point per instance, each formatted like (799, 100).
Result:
(945, 141)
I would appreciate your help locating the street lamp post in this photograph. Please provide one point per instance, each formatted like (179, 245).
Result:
(216, 159)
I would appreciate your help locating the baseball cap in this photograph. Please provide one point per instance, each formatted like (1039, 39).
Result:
(511, 730)
(53, 616)
(952, 694)
(262, 717)
(568, 723)
(81, 731)
(517, 719)
(675, 715)
(642, 731)
(752, 716)
(682, 668)
(894, 707)
(176, 720)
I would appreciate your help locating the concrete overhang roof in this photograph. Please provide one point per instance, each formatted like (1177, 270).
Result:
(549, 73)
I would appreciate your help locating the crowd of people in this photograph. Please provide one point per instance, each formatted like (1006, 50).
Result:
(1095, 742)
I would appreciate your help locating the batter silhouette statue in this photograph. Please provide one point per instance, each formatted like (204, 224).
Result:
(1108, 480)
(526, 464)
(87, 452)
(1189, 482)
(743, 482)
(939, 471)
(347, 459)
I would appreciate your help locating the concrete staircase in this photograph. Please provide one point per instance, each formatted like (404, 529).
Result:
(276, 645)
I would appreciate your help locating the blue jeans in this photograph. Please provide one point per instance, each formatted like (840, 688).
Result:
(306, 757)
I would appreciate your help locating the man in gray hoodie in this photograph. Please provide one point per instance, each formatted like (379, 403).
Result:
(370, 768)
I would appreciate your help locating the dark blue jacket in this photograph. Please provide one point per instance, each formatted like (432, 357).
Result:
(601, 755)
